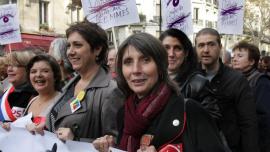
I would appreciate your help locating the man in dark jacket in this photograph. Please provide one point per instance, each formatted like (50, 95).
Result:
(235, 98)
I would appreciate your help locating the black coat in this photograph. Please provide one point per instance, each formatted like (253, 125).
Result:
(22, 95)
(237, 105)
(260, 83)
(200, 132)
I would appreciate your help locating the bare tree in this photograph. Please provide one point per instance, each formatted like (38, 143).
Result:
(257, 21)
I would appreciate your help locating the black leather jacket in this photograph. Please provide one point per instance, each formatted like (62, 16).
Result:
(196, 87)
(237, 105)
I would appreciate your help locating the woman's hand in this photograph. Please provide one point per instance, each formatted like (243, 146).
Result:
(102, 144)
(36, 128)
(147, 149)
(5, 125)
(65, 134)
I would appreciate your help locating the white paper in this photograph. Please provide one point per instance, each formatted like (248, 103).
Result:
(80, 146)
(9, 24)
(22, 122)
(110, 13)
(19, 139)
(116, 150)
(177, 14)
(74, 146)
(231, 16)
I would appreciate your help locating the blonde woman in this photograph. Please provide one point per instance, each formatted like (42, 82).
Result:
(16, 97)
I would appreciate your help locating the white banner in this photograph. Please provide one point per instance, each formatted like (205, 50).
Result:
(110, 13)
(231, 16)
(9, 24)
(177, 14)
(19, 139)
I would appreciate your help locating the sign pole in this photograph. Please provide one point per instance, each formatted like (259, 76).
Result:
(9, 48)
(160, 17)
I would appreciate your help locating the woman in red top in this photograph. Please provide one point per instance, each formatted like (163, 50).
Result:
(44, 74)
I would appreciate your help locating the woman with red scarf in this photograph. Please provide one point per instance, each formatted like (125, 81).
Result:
(155, 116)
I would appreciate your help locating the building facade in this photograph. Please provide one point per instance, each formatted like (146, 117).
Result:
(43, 20)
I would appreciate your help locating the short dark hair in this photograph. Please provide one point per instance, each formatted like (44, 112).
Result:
(151, 47)
(94, 35)
(52, 63)
(253, 51)
(209, 31)
(190, 62)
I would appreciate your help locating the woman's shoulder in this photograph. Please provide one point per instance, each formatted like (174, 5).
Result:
(175, 101)
(197, 78)
(194, 85)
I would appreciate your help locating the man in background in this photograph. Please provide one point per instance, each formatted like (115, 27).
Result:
(236, 100)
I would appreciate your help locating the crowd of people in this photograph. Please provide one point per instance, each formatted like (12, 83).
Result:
(150, 94)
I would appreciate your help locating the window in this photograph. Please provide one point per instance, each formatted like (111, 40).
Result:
(215, 2)
(74, 13)
(196, 13)
(8, 2)
(136, 31)
(110, 37)
(78, 13)
(209, 24)
(43, 12)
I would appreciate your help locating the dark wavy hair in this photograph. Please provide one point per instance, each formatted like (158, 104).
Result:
(52, 63)
(94, 35)
(150, 47)
(190, 62)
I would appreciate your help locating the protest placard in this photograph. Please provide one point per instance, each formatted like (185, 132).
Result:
(177, 14)
(9, 24)
(110, 13)
(231, 16)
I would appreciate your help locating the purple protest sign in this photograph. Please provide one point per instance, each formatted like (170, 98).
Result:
(110, 13)
(9, 24)
(177, 14)
(231, 14)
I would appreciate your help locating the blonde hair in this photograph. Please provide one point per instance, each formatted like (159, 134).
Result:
(3, 63)
(20, 58)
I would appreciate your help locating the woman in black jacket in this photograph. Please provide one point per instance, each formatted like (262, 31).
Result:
(155, 116)
(245, 60)
(182, 69)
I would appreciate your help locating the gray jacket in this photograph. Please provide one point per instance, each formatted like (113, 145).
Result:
(98, 112)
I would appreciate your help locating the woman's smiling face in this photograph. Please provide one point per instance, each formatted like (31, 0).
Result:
(139, 71)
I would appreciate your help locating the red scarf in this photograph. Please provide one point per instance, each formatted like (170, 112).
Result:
(138, 118)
